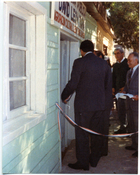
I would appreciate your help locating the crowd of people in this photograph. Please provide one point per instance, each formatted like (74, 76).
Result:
(125, 81)
(96, 87)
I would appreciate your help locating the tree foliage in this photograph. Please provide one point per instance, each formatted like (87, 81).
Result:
(124, 17)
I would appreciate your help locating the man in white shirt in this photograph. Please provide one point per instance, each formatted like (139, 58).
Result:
(131, 87)
(120, 69)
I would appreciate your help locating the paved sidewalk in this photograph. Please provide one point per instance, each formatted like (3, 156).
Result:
(118, 161)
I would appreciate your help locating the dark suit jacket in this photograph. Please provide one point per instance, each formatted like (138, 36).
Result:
(119, 75)
(92, 82)
(132, 88)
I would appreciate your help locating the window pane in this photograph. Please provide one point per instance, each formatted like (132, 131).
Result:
(17, 94)
(17, 63)
(17, 31)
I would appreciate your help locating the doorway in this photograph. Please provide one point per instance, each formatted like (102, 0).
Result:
(69, 51)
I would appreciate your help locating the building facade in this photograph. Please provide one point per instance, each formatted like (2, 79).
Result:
(105, 34)
(40, 42)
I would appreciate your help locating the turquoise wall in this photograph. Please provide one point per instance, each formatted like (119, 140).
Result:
(35, 151)
(91, 29)
(46, 5)
(38, 149)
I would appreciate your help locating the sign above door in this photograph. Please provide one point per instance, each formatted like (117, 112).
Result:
(70, 17)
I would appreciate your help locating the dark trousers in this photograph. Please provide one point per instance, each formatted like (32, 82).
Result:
(86, 151)
(106, 115)
(121, 112)
(132, 116)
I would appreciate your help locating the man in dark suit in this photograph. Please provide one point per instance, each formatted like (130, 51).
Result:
(120, 69)
(91, 80)
(131, 87)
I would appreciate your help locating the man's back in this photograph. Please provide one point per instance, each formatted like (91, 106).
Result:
(90, 78)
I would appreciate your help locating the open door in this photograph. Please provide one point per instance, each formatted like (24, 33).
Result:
(69, 50)
(64, 71)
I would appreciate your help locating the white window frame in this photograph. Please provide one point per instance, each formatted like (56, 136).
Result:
(35, 111)
(20, 110)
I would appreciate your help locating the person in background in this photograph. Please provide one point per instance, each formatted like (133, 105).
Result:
(120, 69)
(95, 52)
(91, 80)
(131, 87)
(100, 54)
(106, 116)
(106, 58)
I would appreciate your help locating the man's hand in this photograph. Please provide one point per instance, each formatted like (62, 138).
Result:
(121, 90)
(67, 99)
(113, 91)
(135, 97)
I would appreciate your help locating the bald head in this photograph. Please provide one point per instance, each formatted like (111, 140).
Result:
(133, 59)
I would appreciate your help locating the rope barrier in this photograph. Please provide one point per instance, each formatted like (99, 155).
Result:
(83, 128)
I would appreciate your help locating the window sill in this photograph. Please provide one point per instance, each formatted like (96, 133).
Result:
(17, 126)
